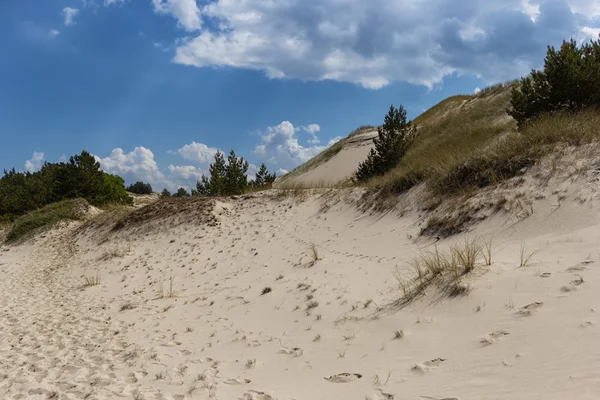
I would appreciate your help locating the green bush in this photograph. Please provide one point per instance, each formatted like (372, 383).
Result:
(81, 177)
(393, 140)
(140, 188)
(570, 81)
(44, 218)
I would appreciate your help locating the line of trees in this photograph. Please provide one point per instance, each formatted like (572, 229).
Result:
(79, 177)
(227, 178)
(569, 81)
(140, 188)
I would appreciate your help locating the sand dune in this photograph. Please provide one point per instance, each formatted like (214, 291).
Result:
(239, 307)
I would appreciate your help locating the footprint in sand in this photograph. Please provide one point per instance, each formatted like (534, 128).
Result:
(344, 377)
(572, 286)
(255, 395)
(379, 394)
(233, 381)
(294, 352)
(530, 308)
(428, 365)
(493, 337)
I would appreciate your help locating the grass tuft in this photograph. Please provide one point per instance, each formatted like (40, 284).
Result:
(43, 219)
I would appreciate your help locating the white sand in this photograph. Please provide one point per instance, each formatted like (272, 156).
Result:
(522, 333)
(341, 166)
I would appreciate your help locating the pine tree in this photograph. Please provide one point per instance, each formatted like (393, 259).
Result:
(181, 192)
(165, 193)
(263, 178)
(236, 180)
(393, 140)
(217, 170)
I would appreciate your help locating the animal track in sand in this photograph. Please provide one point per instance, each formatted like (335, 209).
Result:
(344, 377)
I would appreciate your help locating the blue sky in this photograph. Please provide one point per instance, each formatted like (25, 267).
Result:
(154, 87)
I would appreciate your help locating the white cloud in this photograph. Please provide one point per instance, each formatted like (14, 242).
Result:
(279, 146)
(108, 3)
(69, 15)
(334, 140)
(197, 152)
(54, 32)
(186, 12)
(312, 130)
(590, 33)
(281, 172)
(477, 90)
(373, 43)
(35, 163)
(188, 173)
(138, 164)
(63, 158)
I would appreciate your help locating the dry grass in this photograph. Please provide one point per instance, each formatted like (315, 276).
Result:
(93, 280)
(314, 253)
(444, 271)
(303, 189)
(449, 133)
(525, 256)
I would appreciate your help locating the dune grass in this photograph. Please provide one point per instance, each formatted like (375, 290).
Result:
(42, 219)
(443, 271)
(449, 133)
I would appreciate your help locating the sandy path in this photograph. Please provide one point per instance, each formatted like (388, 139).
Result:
(55, 339)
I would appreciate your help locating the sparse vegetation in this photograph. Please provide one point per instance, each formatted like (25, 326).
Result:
(314, 253)
(443, 271)
(45, 218)
(525, 256)
(92, 280)
(399, 334)
(312, 304)
(265, 290)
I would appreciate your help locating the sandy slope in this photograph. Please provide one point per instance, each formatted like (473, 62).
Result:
(341, 166)
(522, 333)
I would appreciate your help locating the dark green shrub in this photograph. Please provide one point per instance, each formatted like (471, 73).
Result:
(140, 188)
(569, 81)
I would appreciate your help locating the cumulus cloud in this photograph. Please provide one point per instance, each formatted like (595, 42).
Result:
(138, 164)
(372, 43)
(186, 12)
(69, 15)
(312, 130)
(35, 163)
(590, 33)
(54, 32)
(188, 173)
(280, 146)
(197, 152)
